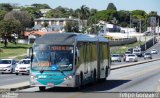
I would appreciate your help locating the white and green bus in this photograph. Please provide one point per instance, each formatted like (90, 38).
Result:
(69, 60)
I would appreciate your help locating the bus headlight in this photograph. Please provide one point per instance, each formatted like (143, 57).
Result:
(68, 78)
(33, 77)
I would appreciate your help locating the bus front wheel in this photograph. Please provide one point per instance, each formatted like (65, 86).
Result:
(42, 88)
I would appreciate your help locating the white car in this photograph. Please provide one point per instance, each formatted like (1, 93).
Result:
(23, 67)
(116, 57)
(131, 58)
(154, 51)
(147, 55)
(7, 65)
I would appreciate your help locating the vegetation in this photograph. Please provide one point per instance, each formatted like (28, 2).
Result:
(18, 50)
(111, 6)
(110, 15)
(124, 48)
(8, 28)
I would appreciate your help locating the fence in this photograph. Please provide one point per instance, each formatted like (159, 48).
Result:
(122, 41)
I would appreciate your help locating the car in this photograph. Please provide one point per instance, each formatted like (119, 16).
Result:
(154, 51)
(131, 58)
(23, 67)
(116, 57)
(126, 53)
(147, 55)
(7, 65)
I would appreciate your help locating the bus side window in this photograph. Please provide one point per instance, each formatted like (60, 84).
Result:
(77, 54)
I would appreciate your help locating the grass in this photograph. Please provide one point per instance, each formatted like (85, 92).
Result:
(122, 49)
(13, 50)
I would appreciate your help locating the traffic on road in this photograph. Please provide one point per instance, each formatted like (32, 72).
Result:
(15, 72)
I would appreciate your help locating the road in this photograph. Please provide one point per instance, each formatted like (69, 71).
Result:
(157, 47)
(139, 78)
(6, 79)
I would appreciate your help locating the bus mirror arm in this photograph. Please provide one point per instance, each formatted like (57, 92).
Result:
(31, 53)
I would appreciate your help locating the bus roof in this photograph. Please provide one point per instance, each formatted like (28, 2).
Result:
(66, 38)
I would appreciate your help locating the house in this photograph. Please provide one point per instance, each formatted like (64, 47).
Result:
(116, 32)
(57, 23)
(32, 35)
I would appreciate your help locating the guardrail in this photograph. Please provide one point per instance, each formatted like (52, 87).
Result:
(132, 64)
(122, 41)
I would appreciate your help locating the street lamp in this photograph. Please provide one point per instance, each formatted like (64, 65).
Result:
(130, 19)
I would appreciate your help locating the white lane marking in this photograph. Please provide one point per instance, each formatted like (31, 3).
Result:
(133, 75)
(5, 75)
(11, 79)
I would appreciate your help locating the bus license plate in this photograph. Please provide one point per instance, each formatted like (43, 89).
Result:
(50, 84)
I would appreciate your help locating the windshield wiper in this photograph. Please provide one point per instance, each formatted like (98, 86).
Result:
(41, 70)
(62, 71)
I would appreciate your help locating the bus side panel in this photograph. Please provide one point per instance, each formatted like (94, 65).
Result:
(86, 61)
(103, 60)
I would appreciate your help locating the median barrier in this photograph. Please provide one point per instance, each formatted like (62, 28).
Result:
(132, 64)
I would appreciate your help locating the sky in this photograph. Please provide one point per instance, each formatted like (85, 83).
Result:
(146, 5)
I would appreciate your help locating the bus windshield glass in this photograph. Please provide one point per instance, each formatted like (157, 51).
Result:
(51, 57)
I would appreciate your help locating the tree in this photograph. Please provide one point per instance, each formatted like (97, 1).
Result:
(2, 14)
(34, 12)
(45, 24)
(71, 27)
(83, 13)
(59, 12)
(23, 17)
(7, 28)
(41, 6)
(93, 12)
(5, 6)
(153, 14)
(123, 18)
(111, 6)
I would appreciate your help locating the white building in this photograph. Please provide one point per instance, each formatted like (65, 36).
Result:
(57, 23)
(117, 31)
(153, 29)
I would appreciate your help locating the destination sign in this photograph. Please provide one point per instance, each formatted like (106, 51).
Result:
(61, 48)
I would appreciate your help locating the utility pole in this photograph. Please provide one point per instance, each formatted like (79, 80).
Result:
(158, 27)
(130, 20)
(140, 26)
(140, 32)
(145, 34)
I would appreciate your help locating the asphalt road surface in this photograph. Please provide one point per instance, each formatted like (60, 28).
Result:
(139, 78)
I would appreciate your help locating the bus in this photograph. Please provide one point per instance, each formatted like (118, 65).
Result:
(68, 60)
(137, 51)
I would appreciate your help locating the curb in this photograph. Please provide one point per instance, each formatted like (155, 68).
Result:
(14, 87)
(3, 90)
(19, 88)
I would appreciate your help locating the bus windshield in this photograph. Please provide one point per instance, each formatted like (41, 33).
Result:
(52, 58)
(137, 50)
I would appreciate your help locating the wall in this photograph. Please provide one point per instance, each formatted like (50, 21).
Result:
(124, 41)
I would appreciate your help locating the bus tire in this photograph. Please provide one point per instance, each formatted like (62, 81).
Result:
(106, 74)
(42, 88)
(94, 76)
(11, 71)
(81, 79)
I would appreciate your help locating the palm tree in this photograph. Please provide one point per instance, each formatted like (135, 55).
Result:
(83, 13)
